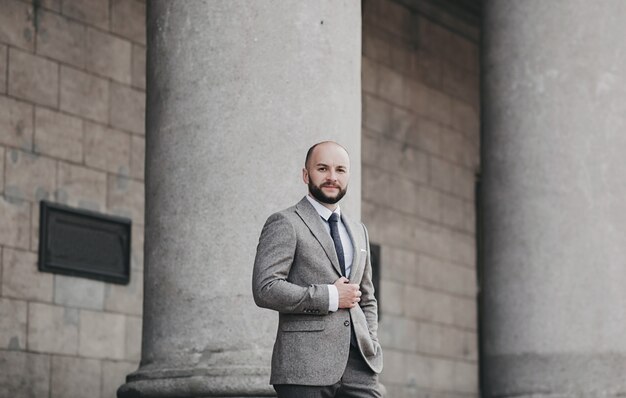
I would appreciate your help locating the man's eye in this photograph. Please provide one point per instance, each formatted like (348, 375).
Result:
(322, 169)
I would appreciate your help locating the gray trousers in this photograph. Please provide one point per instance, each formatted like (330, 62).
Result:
(358, 381)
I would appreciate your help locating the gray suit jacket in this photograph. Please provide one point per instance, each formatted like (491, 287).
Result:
(295, 260)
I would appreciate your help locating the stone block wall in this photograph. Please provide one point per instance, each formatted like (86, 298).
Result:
(420, 152)
(72, 93)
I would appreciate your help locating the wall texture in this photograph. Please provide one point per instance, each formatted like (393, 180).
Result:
(420, 157)
(71, 131)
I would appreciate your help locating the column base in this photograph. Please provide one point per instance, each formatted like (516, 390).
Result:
(555, 375)
(224, 382)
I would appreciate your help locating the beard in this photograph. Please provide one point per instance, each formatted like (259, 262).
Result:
(318, 194)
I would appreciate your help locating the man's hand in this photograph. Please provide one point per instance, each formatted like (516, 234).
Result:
(349, 293)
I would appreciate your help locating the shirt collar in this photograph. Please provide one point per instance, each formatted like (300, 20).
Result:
(322, 210)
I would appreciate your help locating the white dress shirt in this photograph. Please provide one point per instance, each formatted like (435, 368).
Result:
(346, 242)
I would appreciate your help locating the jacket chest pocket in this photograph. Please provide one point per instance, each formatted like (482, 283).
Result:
(302, 326)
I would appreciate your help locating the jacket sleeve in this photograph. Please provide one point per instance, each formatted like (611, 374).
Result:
(274, 258)
(368, 303)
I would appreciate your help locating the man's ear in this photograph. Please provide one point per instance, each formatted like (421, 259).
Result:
(305, 176)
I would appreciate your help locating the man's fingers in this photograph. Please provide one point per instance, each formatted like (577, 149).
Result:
(354, 302)
(349, 292)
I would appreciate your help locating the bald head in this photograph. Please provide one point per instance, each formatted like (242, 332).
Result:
(312, 149)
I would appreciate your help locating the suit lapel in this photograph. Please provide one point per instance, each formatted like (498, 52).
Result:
(352, 230)
(314, 222)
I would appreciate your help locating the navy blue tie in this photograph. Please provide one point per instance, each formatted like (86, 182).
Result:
(333, 221)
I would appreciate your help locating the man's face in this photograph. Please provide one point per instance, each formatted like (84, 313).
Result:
(327, 173)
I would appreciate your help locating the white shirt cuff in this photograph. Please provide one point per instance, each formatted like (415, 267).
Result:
(333, 298)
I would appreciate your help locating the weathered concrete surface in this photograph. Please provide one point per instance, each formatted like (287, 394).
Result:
(237, 92)
(71, 131)
(555, 215)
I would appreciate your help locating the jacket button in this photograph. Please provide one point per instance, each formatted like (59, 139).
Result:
(346, 323)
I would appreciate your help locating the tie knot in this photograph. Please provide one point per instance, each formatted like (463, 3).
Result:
(333, 217)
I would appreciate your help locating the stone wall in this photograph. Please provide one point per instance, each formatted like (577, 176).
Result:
(420, 157)
(72, 96)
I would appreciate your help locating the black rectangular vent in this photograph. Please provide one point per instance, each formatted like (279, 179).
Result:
(84, 243)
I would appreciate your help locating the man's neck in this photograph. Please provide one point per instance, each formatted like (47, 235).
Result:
(331, 207)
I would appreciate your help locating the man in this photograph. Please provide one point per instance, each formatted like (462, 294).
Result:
(313, 266)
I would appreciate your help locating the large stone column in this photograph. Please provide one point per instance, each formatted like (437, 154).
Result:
(237, 92)
(554, 198)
